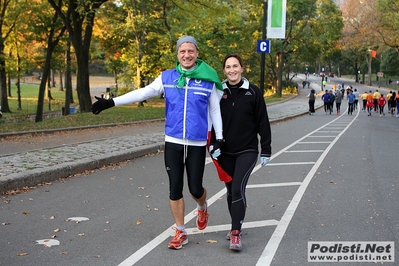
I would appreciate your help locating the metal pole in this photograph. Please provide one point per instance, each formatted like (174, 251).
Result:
(262, 59)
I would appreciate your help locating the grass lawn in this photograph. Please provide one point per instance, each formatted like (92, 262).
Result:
(17, 120)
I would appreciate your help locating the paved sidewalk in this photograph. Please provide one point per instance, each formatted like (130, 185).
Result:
(28, 169)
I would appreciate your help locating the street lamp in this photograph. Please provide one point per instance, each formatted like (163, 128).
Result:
(262, 58)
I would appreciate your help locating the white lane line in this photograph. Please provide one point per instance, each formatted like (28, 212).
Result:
(278, 234)
(322, 136)
(139, 254)
(285, 184)
(304, 151)
(143, 251)
(227, 227)
(293, 163)
(313, 142)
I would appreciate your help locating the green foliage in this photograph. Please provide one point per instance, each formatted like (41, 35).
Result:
(390, 62)
(292, 89)
(136, 39)
(123, 90)
(389, 22)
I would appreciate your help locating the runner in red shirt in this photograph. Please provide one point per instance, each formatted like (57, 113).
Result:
(381, 103)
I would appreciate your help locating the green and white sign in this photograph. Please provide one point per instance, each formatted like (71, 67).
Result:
(276, 13)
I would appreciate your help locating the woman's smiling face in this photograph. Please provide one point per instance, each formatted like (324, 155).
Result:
(233, 70)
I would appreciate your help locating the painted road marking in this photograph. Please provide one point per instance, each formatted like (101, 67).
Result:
(281, 226)
(143, 251)
(278, 234)
(305, 151)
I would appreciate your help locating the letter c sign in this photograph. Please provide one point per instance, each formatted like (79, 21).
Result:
(263, 46)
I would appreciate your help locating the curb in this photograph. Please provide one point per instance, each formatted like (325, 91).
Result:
(64, 170)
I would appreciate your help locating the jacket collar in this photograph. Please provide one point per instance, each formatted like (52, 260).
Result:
(245, 85)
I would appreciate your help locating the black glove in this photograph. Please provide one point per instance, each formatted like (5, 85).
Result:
(215, 148)
(101, 104)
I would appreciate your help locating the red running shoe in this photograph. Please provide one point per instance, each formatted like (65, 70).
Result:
(202, 217)
(235, 240)
(178, 240)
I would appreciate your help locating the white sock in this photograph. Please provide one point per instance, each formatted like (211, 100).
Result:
(181, 227)
(201, 208)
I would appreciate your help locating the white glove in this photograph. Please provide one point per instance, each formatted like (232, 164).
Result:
(214, 153)
(264, 160)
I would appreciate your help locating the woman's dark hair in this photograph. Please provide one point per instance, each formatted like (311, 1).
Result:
(235, 56)
(312, 91)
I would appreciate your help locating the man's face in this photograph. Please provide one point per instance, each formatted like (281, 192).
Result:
(187, 55)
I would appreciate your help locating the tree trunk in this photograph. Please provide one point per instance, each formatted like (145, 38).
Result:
(82, 82)
(49, 81)
(116, 79)
(356, 73)
(43, 85)
(280, 65)
(18, 83)
(53, 82)
(46, 71)
(68, 80)
(3, 80)
(370, 59)
(9, 85)
(61, 82)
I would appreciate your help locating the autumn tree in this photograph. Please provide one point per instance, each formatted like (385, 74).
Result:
(146, 39)
(9, 13)
(143, 41)
(360, 34)
(78, 18)
(389, 22)
(43, 27)
(312, 29)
